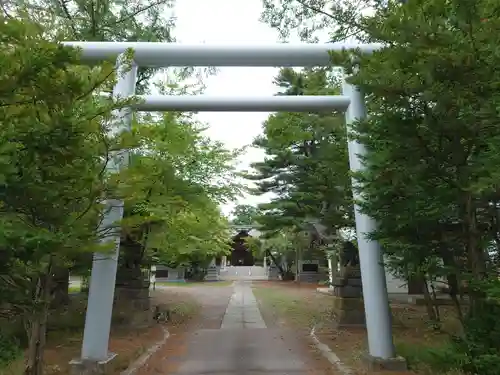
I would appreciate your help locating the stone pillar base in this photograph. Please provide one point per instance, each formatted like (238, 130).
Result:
(90, 367)
(380, 364)
(350, 312)
(309, 277)
(351, 287)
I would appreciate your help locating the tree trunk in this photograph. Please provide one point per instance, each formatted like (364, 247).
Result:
(37, 326)
(476, 258)
(430, 306)
(131, 289)
(61, 287)
(297, 272)
(454, 284)
(282, 271)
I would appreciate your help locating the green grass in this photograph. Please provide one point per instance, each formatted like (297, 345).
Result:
(430, 359)
(15, 367)
(297, 310)
(191, 283)
(75, 289)
(183, 311)
(306, 310)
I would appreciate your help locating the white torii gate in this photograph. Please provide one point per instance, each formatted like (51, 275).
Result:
(102, 284)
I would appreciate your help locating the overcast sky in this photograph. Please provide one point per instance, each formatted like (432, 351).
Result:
(230, 22)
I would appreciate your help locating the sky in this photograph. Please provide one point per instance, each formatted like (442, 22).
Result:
(231, 22)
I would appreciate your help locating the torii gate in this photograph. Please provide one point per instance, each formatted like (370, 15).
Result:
(158, 55)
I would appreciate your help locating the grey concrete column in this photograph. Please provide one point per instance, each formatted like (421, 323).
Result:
(104, 266)
(378, 316)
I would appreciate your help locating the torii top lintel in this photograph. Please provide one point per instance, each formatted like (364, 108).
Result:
(156, 54)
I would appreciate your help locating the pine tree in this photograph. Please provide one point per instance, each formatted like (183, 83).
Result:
(306, 160)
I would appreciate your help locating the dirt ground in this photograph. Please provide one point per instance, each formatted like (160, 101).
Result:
(288, 306)
(295, 308)
(302, 307)
(63, 346)
(127, 345)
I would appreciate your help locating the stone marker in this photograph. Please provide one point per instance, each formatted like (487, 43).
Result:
(176, 274)
(212, 272)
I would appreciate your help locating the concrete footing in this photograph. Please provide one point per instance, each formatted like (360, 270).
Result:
(381, 364)
(90, 367)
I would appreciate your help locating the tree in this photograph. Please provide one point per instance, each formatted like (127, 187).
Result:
(306, 163)
(310, 20)
(306, 168)
(244, 214)
(431, 180)
(106, 20)
(281, 248)
(176, 180)
(52, 142)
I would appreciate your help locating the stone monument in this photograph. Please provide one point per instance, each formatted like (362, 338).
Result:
(176, 275)
(212, 272)
(308, 271)
(348, 290)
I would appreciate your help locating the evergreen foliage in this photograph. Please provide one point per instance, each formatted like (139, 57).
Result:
(432, 137)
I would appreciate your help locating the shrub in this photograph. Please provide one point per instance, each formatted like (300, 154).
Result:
(476, 351)
(9, 349)
(480, 344)
(439, 359)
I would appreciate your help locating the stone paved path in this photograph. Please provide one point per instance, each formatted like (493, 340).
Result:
(242, 310)
(242, 344)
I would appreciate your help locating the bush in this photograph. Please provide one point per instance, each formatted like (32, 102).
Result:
(9, 349)
(438, 359)
(480, 345)
(477, 350)
(69, 318)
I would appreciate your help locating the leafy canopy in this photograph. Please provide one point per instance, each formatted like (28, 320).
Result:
(174, 185)
(52, 148)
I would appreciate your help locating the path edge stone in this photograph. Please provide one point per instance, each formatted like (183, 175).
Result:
(141, 361)
(329, 354)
